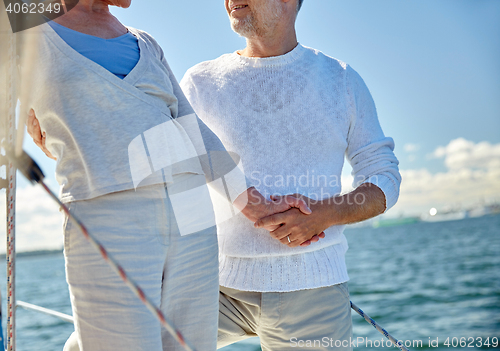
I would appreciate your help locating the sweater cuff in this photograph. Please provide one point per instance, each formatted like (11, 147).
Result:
(388, 187)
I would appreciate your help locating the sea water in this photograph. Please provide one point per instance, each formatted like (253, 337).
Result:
(435, 286)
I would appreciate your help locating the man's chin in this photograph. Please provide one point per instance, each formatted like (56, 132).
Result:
(243, 29)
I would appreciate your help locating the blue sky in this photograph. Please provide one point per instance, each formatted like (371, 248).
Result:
(432, 67)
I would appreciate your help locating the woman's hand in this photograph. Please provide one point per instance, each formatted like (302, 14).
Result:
(36, 133)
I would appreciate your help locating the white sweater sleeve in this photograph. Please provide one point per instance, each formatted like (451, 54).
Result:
(369, 152)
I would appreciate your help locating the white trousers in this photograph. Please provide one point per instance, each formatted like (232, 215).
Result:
(178, 273)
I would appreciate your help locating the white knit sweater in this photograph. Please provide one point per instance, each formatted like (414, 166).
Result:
(292, 119)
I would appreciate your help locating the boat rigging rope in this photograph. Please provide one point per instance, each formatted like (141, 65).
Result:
(11, 194)
(396, 342)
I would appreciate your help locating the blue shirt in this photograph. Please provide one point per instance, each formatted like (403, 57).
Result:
(118, 55)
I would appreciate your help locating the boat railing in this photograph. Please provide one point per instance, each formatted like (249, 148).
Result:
(31, 307)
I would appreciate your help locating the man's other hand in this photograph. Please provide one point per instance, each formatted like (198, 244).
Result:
(254, 206)
(293, 228)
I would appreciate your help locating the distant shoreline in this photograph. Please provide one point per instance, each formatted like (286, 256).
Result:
(35, 253)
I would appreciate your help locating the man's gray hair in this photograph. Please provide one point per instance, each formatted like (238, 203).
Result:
(299, 5)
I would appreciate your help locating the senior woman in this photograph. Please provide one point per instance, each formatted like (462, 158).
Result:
(101, 92)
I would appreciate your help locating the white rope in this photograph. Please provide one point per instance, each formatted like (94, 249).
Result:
(396, 342)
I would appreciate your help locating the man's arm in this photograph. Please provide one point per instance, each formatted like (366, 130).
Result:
(374, 165)
(364, 202)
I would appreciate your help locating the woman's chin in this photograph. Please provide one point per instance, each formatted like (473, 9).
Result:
(124, 4)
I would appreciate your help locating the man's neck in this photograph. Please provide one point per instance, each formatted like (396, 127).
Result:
(269, 46)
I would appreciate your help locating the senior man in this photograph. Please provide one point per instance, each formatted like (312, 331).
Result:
(291, 113)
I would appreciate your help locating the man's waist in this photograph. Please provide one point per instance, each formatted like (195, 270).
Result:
(238, 238)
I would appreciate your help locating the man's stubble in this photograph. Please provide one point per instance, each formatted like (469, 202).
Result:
(260, 22)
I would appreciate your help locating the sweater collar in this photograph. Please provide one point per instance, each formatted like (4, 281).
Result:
(287, 58)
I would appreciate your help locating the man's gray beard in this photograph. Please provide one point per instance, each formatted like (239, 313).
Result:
(245, 28)
(248, 27)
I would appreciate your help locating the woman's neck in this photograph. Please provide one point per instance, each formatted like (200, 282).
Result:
(94, 18)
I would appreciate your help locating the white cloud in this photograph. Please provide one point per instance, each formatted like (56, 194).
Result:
(38, 221)
(461, 153)
(473, 176)
(411, 147)
(421, 190)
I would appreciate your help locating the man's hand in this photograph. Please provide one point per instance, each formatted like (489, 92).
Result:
(254, 206)
(294, 228)
(36, 133)
(364, 202)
